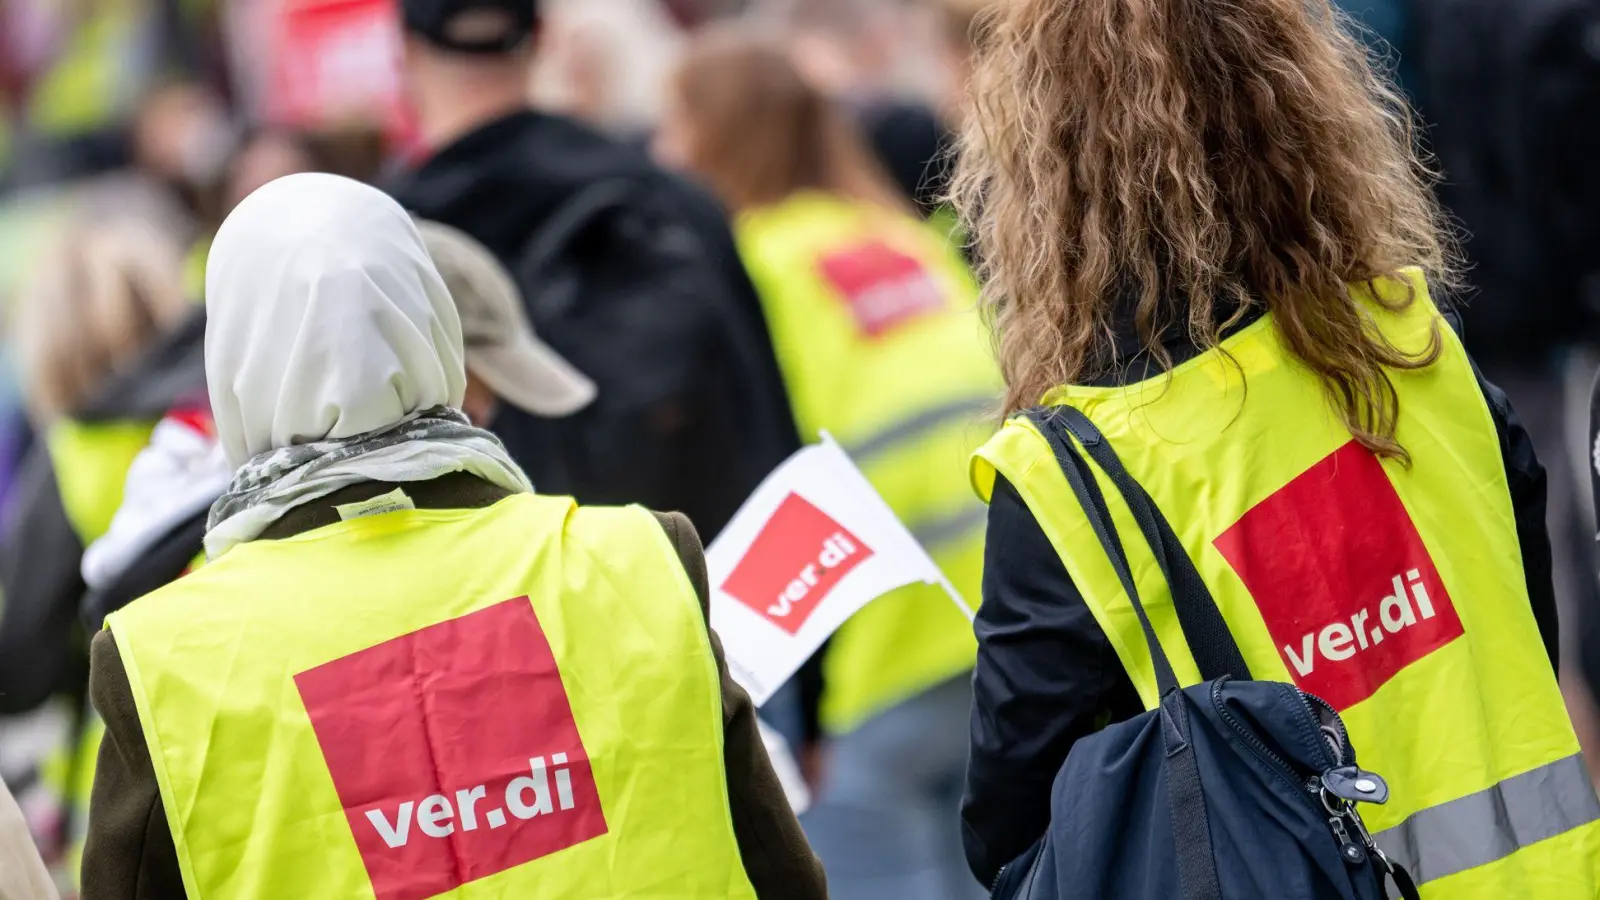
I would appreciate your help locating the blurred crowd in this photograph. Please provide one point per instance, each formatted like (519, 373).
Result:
(129, 129)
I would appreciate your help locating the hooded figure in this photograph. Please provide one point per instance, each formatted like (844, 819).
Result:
(333, 355)
(388, 610)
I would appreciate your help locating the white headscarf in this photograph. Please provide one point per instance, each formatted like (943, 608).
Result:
(327, 323)
(325, 318)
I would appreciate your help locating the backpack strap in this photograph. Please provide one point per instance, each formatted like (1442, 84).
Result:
(1204, 630)
(1191, 825)
(570, 218)
(1087, 490)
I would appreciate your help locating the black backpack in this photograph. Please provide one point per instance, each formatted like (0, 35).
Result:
(1231, 789)
(619, 283)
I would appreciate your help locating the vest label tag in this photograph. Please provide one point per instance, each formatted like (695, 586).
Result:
(1343, 581)
(454, 751)
(394, 501)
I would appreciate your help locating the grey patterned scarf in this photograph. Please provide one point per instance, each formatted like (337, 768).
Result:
(421, 447)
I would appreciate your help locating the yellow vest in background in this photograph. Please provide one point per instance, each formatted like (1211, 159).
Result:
(518, 701)
(85, 88)
(873, 318)
(1395, 593)
(91, 462)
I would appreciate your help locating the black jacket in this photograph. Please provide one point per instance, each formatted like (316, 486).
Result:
(714, 440)
(1511, 88)
(1047, 675)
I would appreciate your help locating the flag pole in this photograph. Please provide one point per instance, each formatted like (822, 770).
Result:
(955, 595)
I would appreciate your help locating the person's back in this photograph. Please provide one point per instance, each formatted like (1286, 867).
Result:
(400, 672)
(873, 317)
(1233, 288)
(91, 320)
(95, 326)
(859, 298)
(459, 701)
(628, 272)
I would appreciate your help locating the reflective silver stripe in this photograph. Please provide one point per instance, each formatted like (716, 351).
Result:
(916, 425)
(1494, 823)
(949, 528)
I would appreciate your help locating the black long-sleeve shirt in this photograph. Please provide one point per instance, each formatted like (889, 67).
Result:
(1047, 675)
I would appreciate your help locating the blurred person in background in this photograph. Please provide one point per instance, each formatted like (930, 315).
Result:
(79, 73)
(603, 62)
(1511, 93)
(87, 318)
(866, 56)
(336, 366)
(628, 272)
(873, 315)
(182, 138)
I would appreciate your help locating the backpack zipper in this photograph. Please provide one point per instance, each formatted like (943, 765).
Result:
(1266, 754)
(1311, 791)
(998, 877)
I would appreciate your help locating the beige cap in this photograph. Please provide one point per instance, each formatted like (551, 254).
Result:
(502, 350)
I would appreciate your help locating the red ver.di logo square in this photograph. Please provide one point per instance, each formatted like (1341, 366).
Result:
(883, 287)
(454, 751)
(799, 556)
(1341, 577)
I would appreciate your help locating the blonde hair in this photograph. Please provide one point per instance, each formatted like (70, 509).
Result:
(1198, 160)
(102, 295)
(761, 132)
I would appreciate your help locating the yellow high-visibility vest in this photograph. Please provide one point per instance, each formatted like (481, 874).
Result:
(873, 318)
(517, 701)
(1394, 592)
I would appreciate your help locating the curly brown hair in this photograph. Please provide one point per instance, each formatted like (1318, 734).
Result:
(1195, 159)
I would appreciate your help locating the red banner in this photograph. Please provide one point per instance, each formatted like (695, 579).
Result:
(334, 62)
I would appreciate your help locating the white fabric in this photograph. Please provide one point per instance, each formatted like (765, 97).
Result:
(174, 478)
(326, 321)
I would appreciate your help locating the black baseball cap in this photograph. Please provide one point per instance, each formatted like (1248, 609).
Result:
(447, 24)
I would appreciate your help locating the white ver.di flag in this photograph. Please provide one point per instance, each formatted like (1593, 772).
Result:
(813, 545)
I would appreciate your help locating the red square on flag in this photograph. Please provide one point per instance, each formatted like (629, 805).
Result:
(454, 751)
(1342, 579)
(799, 556)
(883, 287)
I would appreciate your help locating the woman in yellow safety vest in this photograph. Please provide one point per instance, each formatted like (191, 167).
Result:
(873, 315)
(93, 315)
(1204, 226)
(401, 673)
